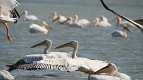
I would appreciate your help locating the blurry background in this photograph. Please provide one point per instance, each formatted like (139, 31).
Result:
(94, 42)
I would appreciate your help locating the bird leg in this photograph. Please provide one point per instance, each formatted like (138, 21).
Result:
(8, 35)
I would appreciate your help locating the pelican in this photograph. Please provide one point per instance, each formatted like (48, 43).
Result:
(5, 75)
(6, 8)
(73, 24)
(118, 33)
(81, 21)
(102, 23)
(111, 69)
(123, 17)
(34, 28)
(29, 17)
(73, 63)
(122, 23)
(58, 18)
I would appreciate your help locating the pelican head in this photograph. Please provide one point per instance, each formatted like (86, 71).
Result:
(69, 19)
(75, 18)
(44, 24)
(96, 21)
(110, 68)
(24, 13)
(72, 44)
(118, 19)
(125, 28)
(47, 43)
(53, 16)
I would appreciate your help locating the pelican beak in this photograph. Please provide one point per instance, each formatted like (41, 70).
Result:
(126, 28)
(46, 25)
(105, 69)
(94, 21)
(115, 19)
(65, 45)
(56, 19)
(74, 18)
(49, 27)
(39, 44)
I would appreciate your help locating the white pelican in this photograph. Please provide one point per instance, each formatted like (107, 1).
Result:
(29, 17)
(123, 23)
(103, 18)
(6, 6)
(58, 18)
(111, 69)
(5, 75)
(64, 64)
(101, 23)
(73, 24)
(118, 33)
(123, 17)
(81, 21)
(34, 28)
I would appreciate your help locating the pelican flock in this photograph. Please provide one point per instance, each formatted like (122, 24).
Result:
(29, 17)
(118, 33)
(63, 64)
(7, 7)
(34, 28)
(112, 70)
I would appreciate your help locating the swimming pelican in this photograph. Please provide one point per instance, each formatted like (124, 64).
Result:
(81, 21)
(73, 63)
(118, 33)
(123, 23)
(29, 17)
(123, 17)
(73, 24)
(6, 6)
(103, 18)
(58, 18)
(34, 28)
(102, 23)
(111, 69)
(5, 75)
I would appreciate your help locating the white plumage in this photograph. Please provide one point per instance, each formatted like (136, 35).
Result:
(34, 28)
(102, 23)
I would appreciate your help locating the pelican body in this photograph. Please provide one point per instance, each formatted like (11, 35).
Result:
(111, 69)
(7, 7)
(29, 17)
(34, 28)
(68, 64)
(103, 23)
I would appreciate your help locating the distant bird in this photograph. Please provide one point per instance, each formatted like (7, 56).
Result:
(123, 17)
(123, 23)
(29, 17)
(73, 63)
(72, 24)
(5, 75)
(101, 23)
(34, 28)
(58, 18)
(7, 7)
(118, 33)
(111, 69)
(84, 22)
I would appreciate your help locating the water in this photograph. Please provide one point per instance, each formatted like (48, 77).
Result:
(94, 42)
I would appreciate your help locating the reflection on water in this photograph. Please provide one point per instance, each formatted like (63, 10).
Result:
(94, 42)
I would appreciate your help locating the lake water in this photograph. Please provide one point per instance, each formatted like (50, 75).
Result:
(94, 42)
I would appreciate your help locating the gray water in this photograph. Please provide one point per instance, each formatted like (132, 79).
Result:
(94, 42)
